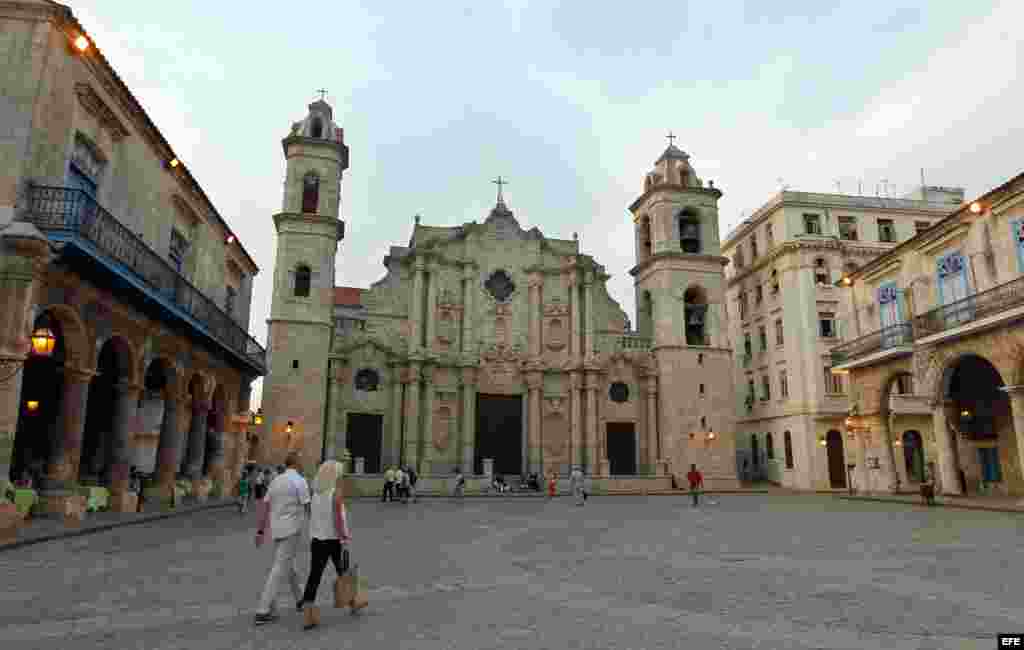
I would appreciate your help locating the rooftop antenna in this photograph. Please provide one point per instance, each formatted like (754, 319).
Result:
(860, 187)
(838, 190)
(885, 187)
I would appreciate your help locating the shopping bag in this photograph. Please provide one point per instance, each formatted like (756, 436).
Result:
(361, 598)
(344, 590)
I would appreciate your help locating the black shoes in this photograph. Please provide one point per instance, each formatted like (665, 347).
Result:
(262, 619)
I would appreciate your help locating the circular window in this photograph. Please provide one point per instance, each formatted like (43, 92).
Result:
(618, 392)
(367, 379)
(500, 285)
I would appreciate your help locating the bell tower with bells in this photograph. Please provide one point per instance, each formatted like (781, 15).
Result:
(679, 281)
(301, 319)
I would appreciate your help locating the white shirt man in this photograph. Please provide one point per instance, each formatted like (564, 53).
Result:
(284, 510)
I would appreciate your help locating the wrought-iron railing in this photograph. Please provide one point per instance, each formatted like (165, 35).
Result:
(883, 339)
(972, 308)
(633, 342)
(74, 211)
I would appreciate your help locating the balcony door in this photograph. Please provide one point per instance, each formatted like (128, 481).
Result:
(954, 289)
(889, 311)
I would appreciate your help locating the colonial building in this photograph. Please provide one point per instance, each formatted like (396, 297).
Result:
(492, 348)
(787, 314)
(936, 360)
(115, 257)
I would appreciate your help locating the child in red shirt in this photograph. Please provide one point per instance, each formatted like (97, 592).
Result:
(696, 482)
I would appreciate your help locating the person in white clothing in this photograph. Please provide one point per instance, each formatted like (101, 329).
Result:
(284, 511)
(328, 531)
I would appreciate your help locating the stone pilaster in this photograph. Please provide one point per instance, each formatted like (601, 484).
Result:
(574, 326)
(412, 417)
(468, 330)
(427, 452)
(392, 450)
(468, 438)
(536, 281)
(576, 425)
(591, 430)
(949, 475)
(416, 313)
(62, 469)
(126, 409)
(216, 450)
(534, 383)
(589, 344)
(24, 254)
(430, 313)
(653, 433)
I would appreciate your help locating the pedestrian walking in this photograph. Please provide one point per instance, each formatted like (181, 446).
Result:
(243, 493)
(401, 486)
(460, 483)
(576, 485)
(552, 484)
(696, 483)
(328, 534)
(259, 485)
(389, 485)
(283, 513)
(412, 483)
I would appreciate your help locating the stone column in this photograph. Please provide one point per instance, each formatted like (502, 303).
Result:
(412, 417)
(949, 476)
(535, 283)
(430, 313)
(591, 434)
(574, 327)
(468, 332)
(126, 409)
(62, 469)
(427, 451)
(576, 425)
(534, 383)
(468, 419)
(169, 448)
(393, 450)
(860, 474)
(588, 318)
(24, 254)
(653, 437)
(416, 314)
(197, 439)
(216, 450)
(1016, 395)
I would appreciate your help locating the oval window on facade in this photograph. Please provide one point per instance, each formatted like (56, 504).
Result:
(618, 392)
(367, 379)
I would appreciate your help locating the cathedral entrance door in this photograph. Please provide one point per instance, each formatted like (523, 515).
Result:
(621, 448)
(363, 439)
(499, 433)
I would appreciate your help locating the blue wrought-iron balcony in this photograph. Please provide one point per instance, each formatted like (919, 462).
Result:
(73, 217)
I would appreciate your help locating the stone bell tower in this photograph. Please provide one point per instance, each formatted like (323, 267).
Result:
(302, 308)
(680, 298)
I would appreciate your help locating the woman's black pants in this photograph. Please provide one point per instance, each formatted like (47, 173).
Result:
(322, 550)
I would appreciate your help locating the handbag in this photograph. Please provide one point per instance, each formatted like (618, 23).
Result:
(344, 586)
(361, 597)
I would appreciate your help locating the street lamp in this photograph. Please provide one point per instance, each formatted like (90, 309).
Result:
(257, 417)
(43, 341)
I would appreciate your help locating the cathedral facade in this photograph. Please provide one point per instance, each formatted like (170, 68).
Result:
(491, 348)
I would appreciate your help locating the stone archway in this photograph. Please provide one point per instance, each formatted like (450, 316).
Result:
(913, 455)
(104, 439)
(836, 462)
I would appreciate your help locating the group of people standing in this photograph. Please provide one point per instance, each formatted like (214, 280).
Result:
(286, 510)
(399, 483)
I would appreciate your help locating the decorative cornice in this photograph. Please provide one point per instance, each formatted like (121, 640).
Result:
(673, 187)
(95, 106)
(677, 255)
(795, 246)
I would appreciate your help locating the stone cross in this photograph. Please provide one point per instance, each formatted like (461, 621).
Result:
(500, 182)
(670, 137)
(323, 94)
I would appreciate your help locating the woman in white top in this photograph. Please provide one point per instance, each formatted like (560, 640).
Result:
(328, 527)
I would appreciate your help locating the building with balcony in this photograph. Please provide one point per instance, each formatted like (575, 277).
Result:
(492, 348)
(935, 356)
(113, 253)
(786, 313)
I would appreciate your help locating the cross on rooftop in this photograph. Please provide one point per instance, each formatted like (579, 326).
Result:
(670, 137)
(323, 94)
(500, 182)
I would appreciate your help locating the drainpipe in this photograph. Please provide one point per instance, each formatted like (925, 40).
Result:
(327, 410)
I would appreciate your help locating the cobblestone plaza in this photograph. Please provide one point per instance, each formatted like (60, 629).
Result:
(751, 571)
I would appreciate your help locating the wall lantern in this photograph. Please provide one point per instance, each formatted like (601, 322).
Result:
(174, 163)
(257, 417)
(43, 341)
(711, 435)
(82, 43)
(975, 208)
(897, 443)
(822, 441)
(965, 413)
(32, 405)
(230, 239)
(288, 429)
(847, 281)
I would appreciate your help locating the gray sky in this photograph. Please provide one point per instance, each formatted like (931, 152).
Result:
(571, 102)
